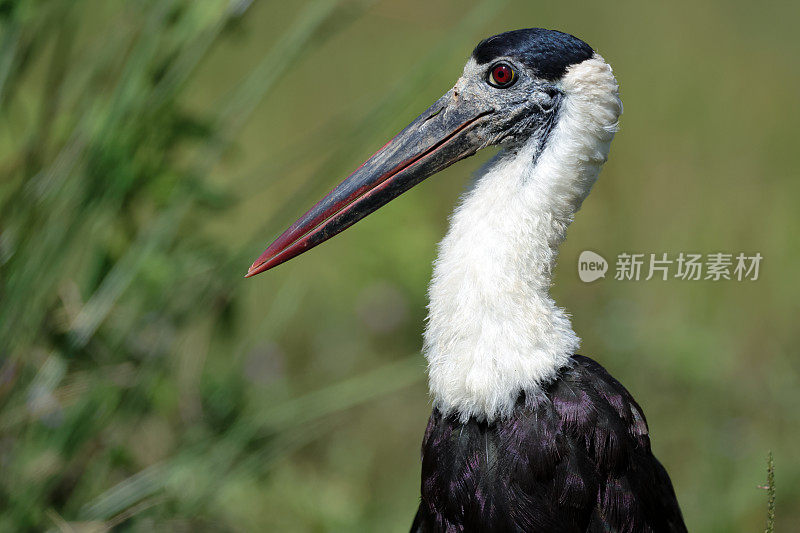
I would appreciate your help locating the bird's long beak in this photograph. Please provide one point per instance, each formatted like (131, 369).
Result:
(439, 137)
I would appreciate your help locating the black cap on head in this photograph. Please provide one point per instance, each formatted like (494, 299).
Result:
(548, 52)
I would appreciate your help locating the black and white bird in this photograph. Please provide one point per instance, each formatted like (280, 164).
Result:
(524, 435)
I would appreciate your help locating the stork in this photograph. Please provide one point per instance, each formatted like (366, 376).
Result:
(524, 435)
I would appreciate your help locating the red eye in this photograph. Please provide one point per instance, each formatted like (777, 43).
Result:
(502, 76)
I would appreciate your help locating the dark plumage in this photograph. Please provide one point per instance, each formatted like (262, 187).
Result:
(575, 458)
(548, 52)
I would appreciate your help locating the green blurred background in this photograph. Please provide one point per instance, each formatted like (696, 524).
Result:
(150, 150)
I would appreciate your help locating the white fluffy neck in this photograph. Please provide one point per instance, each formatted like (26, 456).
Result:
(493, 329)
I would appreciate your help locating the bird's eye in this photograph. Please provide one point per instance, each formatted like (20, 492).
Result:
(502, 76)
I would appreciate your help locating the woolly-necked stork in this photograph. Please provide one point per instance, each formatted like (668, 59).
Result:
(524, 435)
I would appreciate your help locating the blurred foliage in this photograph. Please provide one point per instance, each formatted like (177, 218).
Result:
(148, 151)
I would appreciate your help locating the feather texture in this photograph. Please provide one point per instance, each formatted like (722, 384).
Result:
(493, 330)
(572, 457)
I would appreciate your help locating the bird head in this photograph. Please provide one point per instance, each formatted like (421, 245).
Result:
(511, 89)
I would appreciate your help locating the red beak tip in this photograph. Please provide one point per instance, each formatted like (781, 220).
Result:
(254, 269)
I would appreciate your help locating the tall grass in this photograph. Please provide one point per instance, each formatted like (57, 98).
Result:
(770, 488)
(103, 280)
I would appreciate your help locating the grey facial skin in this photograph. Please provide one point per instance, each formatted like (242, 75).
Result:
(529, 104)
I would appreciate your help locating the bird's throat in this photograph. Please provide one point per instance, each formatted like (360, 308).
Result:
(493, 329)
